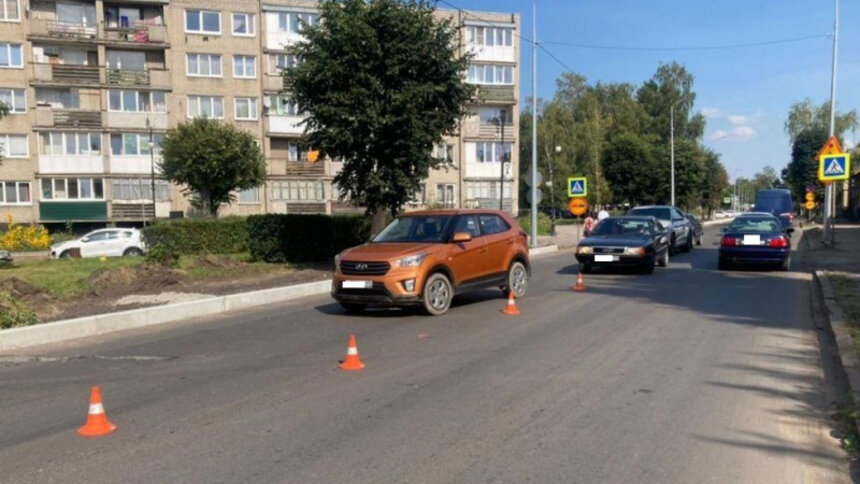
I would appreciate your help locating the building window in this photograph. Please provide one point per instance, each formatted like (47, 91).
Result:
(444, 152)
(203, 65)
(445, 194)
(298, 190)
(280, 105)
(62, 143)
(490, 74)
(134, 144)
(206, 106)
(294, 23)
(246, 108)
(490, 36)
(244, 66)
(280, 62)
(15, 99)
(139, 189)
(486, 190)
(10, 55)
(251, 195)
(15, 193)
(72, 189)
(137, 101)
(419, 196)
(202, 22)
(10, 12)
(488, 152)
(492, 116)
(14, 145)
(244, 24)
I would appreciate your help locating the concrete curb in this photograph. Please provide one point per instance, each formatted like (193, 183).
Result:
(58, 331)
(842, 334)
(547, 249)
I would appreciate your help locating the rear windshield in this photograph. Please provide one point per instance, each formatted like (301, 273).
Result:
(754, 226)
(660, 213)
(622, 227)
(421, 228)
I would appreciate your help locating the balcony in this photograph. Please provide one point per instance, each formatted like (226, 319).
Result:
(138, 35)
(490, 93)
(132, 211)
(493, 53)
(133, 164)
(61, 30)
(286, 125)
(73, 211)
(64, 164)
(126, 120)
(305, 169)
(66, 74)
(126, 77)
(48, 117)
(274, 82)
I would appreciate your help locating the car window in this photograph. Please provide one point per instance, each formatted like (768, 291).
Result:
(754, 226)
(467, 223)
(492, 224)
(660, 213)
(111, 235)
(96, 236)
(419, 228)
(126, 235)
(623, 227)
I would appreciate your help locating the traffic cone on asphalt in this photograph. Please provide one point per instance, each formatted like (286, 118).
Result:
(352, 361)
(580, 283)
(97, 422)
(511, 308)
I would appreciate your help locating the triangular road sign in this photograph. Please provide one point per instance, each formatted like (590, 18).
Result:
(835, 168)
(831, 147)
(576, 188)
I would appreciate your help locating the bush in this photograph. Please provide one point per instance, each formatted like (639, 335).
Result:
(14, 313)
(303, 238)
(544, 224)
(167, 240)
(24, 238)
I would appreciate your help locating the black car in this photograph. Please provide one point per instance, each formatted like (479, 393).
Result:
(629, 241)
(680, 234)
(777, 202)
(756, 238)
(696, 227)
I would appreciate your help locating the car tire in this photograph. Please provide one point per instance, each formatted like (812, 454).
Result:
(585, 268)
(699, 240)
(672, 250)
(351, 308)
(132, 252)
(663, 261)
(518, 280)
(67, 254)
(648, 266)
(688, 245)
(437, 294)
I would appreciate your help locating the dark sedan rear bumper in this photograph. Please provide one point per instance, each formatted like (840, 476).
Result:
(754, 255)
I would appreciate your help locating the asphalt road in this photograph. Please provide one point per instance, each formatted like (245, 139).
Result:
(687, 375)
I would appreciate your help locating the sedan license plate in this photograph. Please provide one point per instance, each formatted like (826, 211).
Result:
(604, 258)
(752, 239)
(357, 284)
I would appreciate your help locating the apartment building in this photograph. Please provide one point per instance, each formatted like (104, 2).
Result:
(93, 86)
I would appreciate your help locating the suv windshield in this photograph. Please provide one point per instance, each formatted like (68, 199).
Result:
(658, 213)
(418, 228)
(754, 225)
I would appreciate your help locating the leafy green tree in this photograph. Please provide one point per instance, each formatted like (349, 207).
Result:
(714, 182)
(671, 84)
(804, 115)
(381, 82)
(802, 170)
(631, 169)
(212, 160)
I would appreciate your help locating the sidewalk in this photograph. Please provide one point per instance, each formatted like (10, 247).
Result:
(844, 256)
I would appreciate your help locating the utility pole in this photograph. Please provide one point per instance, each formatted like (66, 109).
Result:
(151, 166)
(534, 187)
(672, 147)
(829, 203)
(501, 120)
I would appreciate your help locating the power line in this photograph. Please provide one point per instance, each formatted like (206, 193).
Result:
(466, 13)
(688, 48)
(553, 57)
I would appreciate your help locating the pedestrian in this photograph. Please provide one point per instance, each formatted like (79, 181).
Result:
(602, 214)
(588, 224)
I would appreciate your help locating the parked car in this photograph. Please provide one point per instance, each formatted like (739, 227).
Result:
(755, 238)
(696, 227)
(625, 241)
(5, 257)
(680, 232)
(104, 242)
(426, 258)
(777, 202)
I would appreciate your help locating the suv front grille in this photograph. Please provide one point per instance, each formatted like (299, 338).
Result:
(351, 268)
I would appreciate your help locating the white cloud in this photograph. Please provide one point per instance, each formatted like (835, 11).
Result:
(738, 119)
(744, 132)
(718, 135)
(711, 113)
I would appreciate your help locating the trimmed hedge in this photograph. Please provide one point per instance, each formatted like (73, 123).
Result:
(304, 238)
(167, 240)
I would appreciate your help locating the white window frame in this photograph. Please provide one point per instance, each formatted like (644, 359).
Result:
(66, 188)
(16, 184)
(446, 188)
(505, 34)
(210, 60)
(3, 6)
(495, 150)
(5, 141)
(198, 97)
(306, 187)
(256, 201)
(123, 189)
(242, 60)
(202, 30)
(8, 46)
(253, 108)
(125, 92)
(289, 21)
(273, 62)
(250, 21)
(473, 76)
(64, 136)
(141, 142)
(276, 100)
(12, 107)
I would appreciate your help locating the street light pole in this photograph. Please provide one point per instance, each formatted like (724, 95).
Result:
(501, 120)
(534, 234)
(151, 165)
(672, 146)
(829, 190)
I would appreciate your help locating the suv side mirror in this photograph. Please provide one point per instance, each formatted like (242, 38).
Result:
(461, 237)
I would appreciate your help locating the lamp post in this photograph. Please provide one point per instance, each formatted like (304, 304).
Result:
(672, 145)
(552, 189)
(500, 121)
(151, 165)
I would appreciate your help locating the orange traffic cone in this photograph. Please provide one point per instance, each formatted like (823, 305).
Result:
(580, 284)
(97, 422)
(511, 308)
(352, 361)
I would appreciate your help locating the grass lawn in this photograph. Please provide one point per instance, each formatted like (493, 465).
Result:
(847, 292)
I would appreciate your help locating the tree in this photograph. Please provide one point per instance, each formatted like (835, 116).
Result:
(804, 115)
(381, 82)
(802, 170)
(630, 169)
(671, 84)
(212, 160)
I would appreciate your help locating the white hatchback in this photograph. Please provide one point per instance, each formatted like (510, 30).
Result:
(102, 243)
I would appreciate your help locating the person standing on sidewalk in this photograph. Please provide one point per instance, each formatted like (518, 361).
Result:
(588, 224)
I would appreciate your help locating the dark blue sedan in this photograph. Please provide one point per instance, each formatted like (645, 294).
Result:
(756, 239)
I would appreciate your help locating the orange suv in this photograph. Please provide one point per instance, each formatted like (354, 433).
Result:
(426, 258)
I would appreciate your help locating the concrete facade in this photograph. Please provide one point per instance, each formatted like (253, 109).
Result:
(89, 83)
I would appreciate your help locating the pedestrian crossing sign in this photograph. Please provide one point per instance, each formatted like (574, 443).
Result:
(834, 167)
(577, 186)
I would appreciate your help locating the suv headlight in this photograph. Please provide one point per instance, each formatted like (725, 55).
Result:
(412, 260)
(584, 249)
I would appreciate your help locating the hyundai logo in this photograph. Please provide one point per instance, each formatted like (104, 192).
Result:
(361, 267)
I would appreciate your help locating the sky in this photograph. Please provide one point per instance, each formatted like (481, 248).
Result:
(744, 92)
